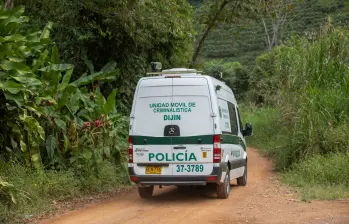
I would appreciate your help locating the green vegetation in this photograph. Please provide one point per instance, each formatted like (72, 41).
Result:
(64, 117)
(305, 86)
(321, 177)
(233, 74)
(294, 59)
(68, 71)
(243, 41)
(131, 33)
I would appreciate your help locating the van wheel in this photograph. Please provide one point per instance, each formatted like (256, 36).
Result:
(146, 192)
(242, 181)
(223, 190)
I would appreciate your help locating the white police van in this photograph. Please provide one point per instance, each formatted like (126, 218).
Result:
(185, 129)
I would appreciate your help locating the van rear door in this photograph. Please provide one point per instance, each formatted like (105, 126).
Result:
(151, 148)
(191, 115)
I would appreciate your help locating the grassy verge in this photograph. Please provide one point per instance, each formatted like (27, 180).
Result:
(39, 191)
(316, 178)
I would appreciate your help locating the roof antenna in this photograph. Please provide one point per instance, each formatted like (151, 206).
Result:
(156, 66)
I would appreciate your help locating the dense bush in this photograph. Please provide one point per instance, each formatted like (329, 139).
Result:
(304, 122)
(233, 74)
(38, 192)
(50, 124)
(308, 82)
(131, 33)
(324, 177)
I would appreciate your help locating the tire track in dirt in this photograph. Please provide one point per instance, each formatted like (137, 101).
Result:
(263, 200)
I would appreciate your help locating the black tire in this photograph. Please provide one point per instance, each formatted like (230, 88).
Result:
(146, 192)
(223, 190)
(242, 181)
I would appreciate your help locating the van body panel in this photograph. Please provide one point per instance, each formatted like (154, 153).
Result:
(195, 94)
(191, 105)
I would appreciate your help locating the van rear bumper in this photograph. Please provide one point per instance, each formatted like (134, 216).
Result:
(214, 177)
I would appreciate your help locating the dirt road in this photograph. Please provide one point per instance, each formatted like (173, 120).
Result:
(264, 200)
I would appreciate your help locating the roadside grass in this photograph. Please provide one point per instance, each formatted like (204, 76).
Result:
(38, 191)
(268, 133)
(319, 177)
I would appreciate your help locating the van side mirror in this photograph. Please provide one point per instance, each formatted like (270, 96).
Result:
(248, 130)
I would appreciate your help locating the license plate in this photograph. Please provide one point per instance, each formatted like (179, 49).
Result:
(153, 170)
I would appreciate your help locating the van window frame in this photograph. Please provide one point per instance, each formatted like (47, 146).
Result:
(232, 106)
(239, 120)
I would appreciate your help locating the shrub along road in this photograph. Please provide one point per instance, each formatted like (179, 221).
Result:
(263, 200)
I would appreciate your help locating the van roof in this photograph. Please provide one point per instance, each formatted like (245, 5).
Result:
(225, 92)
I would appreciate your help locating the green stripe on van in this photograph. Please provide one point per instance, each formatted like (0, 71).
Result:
(233, 139)
(187, 140)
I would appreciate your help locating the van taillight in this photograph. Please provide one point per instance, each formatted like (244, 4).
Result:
(217, 150)
(130, 150)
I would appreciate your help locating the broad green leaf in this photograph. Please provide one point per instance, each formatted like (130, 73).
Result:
(40, 61)
(89, 65)
(61, 124)
(58, 68)
(47, 30)
(95, 77)
(12, 87)
(100, 98)
(65, 80)
(23, 146)
(15, 59)
(55, 55)
(51, 145)
(17, 98)
(74, 103)
(63, 100)
(34, 110)
(41, 131)
(65, 96)
(19, 67)
(13, 38)
(111, 66)
(17, 11)
(110, 104)
(34, 126)
(28, 81)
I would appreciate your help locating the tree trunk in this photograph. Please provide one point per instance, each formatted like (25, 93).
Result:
(207, 31)
(9, 4)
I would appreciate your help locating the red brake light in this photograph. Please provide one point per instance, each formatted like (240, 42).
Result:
(211, 178)
(217, 150)
(130, 150)
(134, 178)
(216, 139)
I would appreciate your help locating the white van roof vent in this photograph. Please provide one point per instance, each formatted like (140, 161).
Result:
(175, 71)
(179, 71)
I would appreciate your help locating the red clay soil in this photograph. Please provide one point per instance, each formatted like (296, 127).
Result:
(263, 200)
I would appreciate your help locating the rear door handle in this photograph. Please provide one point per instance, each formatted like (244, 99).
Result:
(179, 147)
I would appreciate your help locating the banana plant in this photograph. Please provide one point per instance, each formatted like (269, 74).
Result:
(36, 92)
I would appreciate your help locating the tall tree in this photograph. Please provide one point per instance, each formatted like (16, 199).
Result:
(132, 33)
(9, 4)
(213, 12)
(273, 15)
